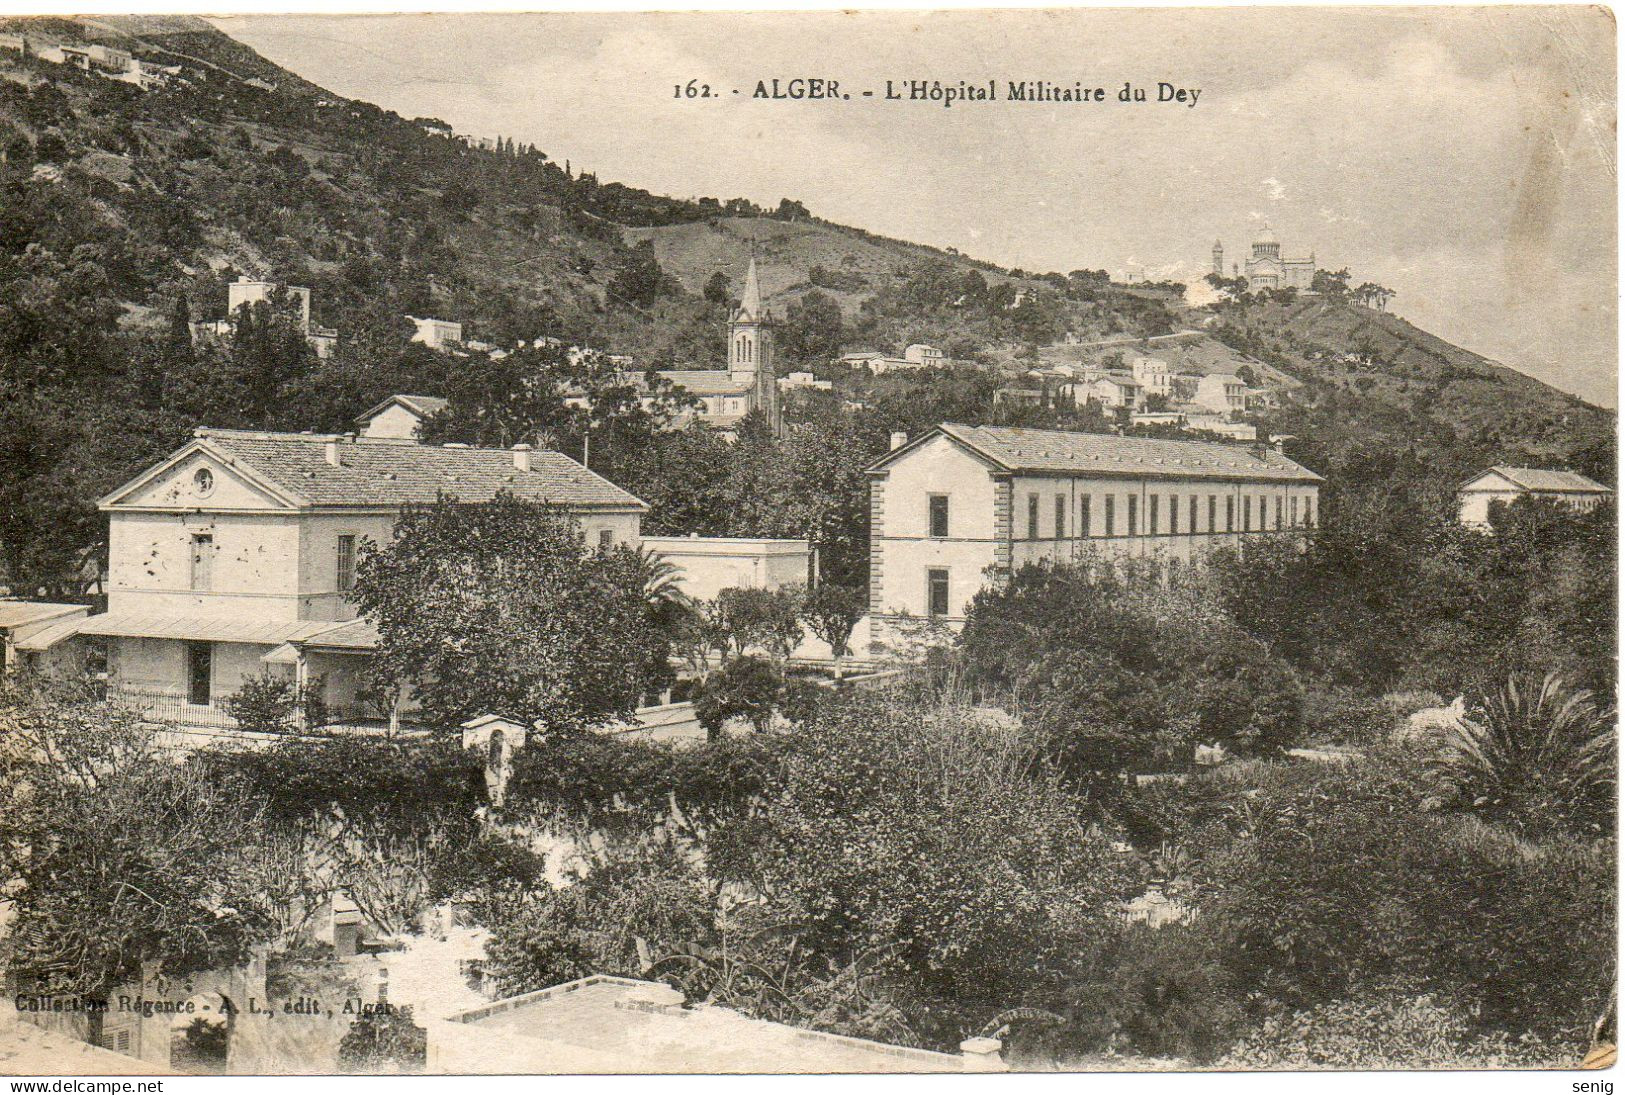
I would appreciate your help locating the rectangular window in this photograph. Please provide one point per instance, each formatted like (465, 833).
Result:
(202, 560)
(346, 563)
(606, 539)
(1309, 511)
(1111, 515)
(1083, 517)
(199, 673)
(1247, 513)
(1277, 512)
(936, 592)
(1173, 513)
(1213, 513)
(1151, 517)
(1032, 517)
(1133, 514)
(939, 516)
(1191, 524)
(1230, 513)
(1060, 516)
(1294, 511)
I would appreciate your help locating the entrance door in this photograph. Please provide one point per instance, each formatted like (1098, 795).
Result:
(199, 672)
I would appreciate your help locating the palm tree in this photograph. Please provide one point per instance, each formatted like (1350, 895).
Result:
(662, 582)
(1534, 755)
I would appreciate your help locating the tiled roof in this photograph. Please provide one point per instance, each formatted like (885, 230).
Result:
(1546, 479)
(390, 472)
(707, 381)
(1061, 451)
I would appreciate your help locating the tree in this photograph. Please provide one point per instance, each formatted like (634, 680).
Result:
(831, 610)
(717, 288)
(384, 1039)
(812, 329)
(638, 278)
(118, 856)
(933, 831)
(496, 607)
(767, 619)
(1329, 283)
(745, 687)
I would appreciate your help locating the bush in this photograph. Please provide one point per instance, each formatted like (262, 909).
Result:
(637, 900)
(1158, 992)
(273, 704)
(746, 687)
(1540, 756)
(937, 835)
(1338, 715)
(599, 782)
(1389, 1029)
(1338, 878)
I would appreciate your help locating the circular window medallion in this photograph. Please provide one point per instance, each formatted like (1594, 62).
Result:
(203, 482)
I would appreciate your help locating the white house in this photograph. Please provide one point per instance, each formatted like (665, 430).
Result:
(962, 503)
(245, 291)
(709, 564)
(1114, 390)
(917, 356)
(1505, 485)
(237, 554)
(1222, 393)
(437, 334)
(1154, 375)
(400, 416)
(792, 381)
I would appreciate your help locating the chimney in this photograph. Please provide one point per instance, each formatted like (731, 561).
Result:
(521, 456)
(898, 439)
(982, 1055)
(330, 450)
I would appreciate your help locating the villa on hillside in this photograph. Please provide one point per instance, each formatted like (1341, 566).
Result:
(959, 504)
(1502, 485)
(245, 292)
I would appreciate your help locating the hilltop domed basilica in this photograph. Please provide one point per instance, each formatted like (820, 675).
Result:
(1265, 268)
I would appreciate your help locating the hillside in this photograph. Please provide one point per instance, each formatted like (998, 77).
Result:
(1372, 377)
(125, 210)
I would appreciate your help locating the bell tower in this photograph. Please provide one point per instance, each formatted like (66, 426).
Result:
(750, 349)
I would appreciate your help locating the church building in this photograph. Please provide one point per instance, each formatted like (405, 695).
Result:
(749, 383)
(1266, 269)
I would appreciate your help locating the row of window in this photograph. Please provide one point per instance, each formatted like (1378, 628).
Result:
(1287, 513)
(202, 577)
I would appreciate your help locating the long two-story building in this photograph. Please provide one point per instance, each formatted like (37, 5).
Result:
(237, 554)
(959, 505)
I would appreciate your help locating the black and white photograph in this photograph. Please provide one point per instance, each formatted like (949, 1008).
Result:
(546, 544)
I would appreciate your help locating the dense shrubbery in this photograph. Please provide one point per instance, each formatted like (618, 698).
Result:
(611, 783)
(1122, 667)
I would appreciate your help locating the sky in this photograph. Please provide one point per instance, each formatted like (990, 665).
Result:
(1464, 157)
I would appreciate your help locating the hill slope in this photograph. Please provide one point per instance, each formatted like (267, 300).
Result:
(124, 213)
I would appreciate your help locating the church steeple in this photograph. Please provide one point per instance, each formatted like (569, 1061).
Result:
(750, 348)
(750, 303)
